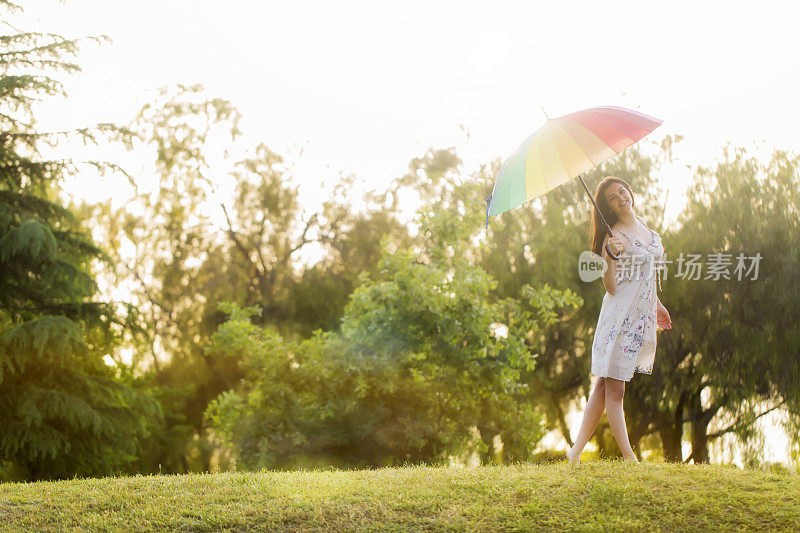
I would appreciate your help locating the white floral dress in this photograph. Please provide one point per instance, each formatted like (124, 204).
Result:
(625, 336)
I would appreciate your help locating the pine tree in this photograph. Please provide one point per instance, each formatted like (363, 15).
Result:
(63, 410)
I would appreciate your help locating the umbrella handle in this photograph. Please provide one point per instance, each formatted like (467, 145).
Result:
(610, 254)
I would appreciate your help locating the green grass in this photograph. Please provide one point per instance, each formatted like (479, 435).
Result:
(595, 495)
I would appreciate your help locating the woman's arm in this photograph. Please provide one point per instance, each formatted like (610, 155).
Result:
(609, 278)
(662, 316)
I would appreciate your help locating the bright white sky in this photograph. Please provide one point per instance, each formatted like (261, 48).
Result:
(364, 86)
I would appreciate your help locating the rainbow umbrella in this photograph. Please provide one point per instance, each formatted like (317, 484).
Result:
(562, 149)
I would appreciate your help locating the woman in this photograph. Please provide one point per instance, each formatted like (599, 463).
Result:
(625, 336)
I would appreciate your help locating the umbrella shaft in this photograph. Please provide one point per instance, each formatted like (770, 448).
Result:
(610, 233)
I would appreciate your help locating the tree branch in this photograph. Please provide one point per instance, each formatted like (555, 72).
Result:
(734, 426)
(303, 240)
(238, 243)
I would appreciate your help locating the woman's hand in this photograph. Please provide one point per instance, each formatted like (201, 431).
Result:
(662, 317)
(616, 245)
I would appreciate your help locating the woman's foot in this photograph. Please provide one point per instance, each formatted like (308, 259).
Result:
(573, 457)
(631, 459)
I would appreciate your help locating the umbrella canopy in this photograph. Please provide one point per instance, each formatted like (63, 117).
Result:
(562, 149)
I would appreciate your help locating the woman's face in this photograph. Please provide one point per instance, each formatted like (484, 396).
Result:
(618, 198)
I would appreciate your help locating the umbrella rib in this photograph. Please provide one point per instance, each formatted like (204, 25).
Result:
(578, 145)
(560, 157)
(521, 155)
(513, 170)
(541, 160)
(621, 112)
(520, 163)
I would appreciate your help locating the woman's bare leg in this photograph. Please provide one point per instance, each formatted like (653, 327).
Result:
(591, 417)
(615, 390)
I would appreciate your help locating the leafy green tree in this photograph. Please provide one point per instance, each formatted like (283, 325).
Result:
(413, 370)
(734, 358)
(63, 410)
(350, 242)
(266, 231)
(159, 242)
(185, 260)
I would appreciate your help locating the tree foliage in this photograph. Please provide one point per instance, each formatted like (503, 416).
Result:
(63, 411)
(413, 371)
(734, 354)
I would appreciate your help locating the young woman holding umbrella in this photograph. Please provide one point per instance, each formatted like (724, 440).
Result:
(625, 336)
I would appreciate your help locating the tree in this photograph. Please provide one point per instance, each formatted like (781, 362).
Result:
(170, 230)
(186, 260)
(735, 355)
(413, 370)
(267, 229)
(63, 411)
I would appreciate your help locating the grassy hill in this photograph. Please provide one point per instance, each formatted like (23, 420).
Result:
(591, 496)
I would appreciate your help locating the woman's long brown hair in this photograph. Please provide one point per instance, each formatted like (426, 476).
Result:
(599, 229)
